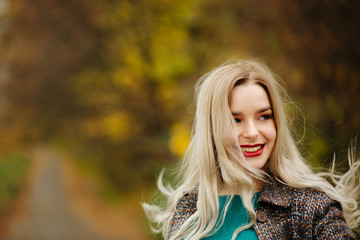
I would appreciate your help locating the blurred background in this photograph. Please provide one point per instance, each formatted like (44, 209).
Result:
(96, 98)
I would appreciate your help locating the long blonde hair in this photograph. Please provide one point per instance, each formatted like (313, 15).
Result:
(210, 161)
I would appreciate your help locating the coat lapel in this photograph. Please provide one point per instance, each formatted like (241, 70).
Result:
(277, 194)
(274, 202)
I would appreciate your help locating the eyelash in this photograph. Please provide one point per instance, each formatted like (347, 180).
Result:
(266, 116)
(263, 117)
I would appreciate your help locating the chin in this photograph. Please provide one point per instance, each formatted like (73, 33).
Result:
(258, 164)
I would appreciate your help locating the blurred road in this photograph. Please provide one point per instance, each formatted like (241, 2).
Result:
(47, 214)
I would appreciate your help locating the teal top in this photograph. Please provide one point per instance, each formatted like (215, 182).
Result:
(236, 217)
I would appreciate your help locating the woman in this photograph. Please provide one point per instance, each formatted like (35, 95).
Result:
(242, 177)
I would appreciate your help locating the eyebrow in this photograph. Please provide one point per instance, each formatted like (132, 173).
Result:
(257, 112)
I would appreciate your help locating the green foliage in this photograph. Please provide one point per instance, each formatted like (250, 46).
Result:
(13, 172)
(114, 78)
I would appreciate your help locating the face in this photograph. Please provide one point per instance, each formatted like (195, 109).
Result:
(255, 127)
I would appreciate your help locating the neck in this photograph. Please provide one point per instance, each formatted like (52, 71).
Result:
(259, 185)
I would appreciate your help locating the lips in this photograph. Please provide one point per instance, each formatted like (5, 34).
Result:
(252, 150)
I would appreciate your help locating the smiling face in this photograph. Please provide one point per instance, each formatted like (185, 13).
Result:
(255, 127)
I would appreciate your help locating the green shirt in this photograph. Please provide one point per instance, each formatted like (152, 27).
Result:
(236, 217)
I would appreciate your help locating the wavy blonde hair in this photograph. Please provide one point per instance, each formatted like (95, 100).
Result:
(212, 161)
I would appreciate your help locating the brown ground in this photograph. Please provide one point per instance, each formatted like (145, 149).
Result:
(120, 222)
(60, 204)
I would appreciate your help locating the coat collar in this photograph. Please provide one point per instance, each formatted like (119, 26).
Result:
(276, 193)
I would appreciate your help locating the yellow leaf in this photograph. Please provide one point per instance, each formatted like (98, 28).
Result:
(179, 138)
(116, 125)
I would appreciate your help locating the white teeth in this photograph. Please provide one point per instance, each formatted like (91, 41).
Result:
(251, 149)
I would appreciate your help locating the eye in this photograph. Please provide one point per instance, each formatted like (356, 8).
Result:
(237, 120)
(266, 117)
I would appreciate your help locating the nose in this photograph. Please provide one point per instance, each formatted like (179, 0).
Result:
(250, 130)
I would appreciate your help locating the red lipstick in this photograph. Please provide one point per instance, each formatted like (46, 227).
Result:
(252, 150)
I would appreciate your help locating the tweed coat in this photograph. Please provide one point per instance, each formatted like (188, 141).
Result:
(283, 212)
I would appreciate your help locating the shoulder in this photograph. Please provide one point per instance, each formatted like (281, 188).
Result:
(278, 193)
(188, 200)
(312, 197)
(305, 211)
(185, 207)
(315, 205)
(304, 204)
(325, 213)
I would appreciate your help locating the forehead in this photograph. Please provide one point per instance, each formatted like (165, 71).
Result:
(248, 96)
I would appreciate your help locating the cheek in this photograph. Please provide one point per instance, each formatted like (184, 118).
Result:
(273, 133)
(270, 132)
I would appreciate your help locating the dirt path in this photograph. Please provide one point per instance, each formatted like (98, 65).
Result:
(121, 221)
(47, 212)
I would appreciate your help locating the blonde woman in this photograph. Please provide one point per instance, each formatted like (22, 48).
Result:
(242, 176)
